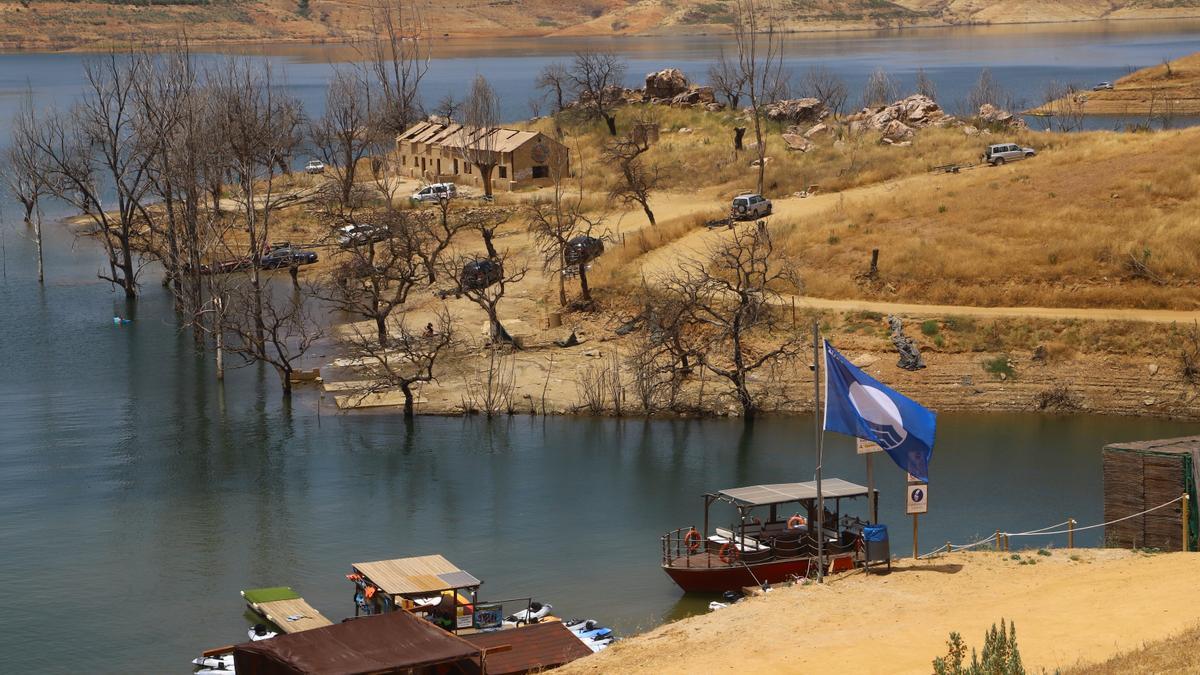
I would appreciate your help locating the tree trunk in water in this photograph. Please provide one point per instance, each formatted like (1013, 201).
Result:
(612, 124)
(286, 375)
(37, 237)
(408, 400)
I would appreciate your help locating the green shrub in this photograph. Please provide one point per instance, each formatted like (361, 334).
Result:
(929, 327)
(1000, 366)
(1000, 654)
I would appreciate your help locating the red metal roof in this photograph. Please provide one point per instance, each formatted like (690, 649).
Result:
(528, 648)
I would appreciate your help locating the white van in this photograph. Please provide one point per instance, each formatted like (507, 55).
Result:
(435, 192)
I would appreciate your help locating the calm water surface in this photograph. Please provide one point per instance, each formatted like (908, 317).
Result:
(137, 496)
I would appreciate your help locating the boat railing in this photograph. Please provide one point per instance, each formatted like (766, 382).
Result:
(676, 553)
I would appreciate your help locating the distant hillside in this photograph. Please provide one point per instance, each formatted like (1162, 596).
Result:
(59, 24)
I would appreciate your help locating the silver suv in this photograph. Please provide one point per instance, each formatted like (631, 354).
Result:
(1006, 152)
(750, 206)
(435, 192)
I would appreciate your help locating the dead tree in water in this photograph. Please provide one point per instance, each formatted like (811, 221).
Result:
(276, 329)
(24, 173)
(402, 360)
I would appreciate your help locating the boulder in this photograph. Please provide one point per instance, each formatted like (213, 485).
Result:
(797, 111)
(684, 130)
(665, 84)
(819, 128)
(714, 107)
(993, 116)
(766, 160)
(694, 96)
(970, 130)
(896, 131)
(797, 142)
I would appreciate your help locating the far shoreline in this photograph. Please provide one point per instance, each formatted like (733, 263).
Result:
(822, 29)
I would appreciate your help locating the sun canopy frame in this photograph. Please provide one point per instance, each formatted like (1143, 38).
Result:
(784, 493)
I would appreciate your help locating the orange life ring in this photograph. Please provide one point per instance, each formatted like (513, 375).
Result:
(729, 553)
(796, 521)
(692, 540)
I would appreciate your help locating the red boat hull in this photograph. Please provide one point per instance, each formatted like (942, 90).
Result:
(721, 579)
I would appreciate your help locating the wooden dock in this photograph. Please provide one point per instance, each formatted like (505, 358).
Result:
(284, 608)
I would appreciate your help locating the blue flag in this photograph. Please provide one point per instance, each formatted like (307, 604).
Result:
(858, 405)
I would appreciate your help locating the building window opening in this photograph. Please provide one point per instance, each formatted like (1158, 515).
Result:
(541, 172)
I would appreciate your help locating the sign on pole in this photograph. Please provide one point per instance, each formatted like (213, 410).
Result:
(913, 480)
(867, 447)
(918, 499)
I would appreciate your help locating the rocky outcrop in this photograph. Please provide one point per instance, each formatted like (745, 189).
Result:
(666, 84)
(992, 116)
(797, 142)
(694, 96)
(899, 121)
(796, 111)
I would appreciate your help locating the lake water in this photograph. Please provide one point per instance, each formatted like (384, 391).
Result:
(138, 496)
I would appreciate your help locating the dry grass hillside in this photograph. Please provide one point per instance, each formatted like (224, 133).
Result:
(1168, 89)
(42, 24)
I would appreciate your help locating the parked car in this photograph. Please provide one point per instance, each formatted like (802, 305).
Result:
(359, 234)
(286, 256)
(1103, 86)
(749, 207)
(435, 192)
(1000, 153)
(583, 249)
(314, 166)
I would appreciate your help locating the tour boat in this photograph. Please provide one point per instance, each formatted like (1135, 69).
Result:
(769, 542)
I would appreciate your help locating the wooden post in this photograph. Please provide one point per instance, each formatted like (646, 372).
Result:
(1184, 542)
(1070, 533)
(915, 556)
(997, 540)
(948, 548)
(874, 271)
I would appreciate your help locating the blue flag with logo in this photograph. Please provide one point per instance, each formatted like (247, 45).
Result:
(858, 405)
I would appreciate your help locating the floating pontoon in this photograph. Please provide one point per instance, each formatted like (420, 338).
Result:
(284, 608)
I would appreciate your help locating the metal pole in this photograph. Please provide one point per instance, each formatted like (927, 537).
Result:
(1184, 545)
(818, 437)
(1070, 533)
(915, 556)
(871, 511)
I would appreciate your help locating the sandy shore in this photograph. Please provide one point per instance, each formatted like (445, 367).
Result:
(1070, 608)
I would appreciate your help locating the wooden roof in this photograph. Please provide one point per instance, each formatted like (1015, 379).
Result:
(533, 648)
(780, 493)
(1180, 445)
(416, 576)
(457, 136)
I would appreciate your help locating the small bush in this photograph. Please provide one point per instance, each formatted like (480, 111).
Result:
(1042, 551)
(1000, 366)
(929, 327)
(1000, 656)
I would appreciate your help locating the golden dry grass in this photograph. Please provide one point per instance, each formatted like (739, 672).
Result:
(1176, 654)
(1097, 220)
(1171, 89)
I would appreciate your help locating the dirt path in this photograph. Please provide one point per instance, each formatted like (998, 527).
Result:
(664, 260)
(1066, 612)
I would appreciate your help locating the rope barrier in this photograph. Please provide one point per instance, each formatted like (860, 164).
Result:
(1041, 532)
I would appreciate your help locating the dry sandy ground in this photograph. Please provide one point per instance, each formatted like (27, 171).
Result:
(1067, 612)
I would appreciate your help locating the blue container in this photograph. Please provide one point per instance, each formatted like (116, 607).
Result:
(875, 533)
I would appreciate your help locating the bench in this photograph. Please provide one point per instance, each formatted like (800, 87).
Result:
(724, 536)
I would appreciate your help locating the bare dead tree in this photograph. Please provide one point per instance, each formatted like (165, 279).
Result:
(402, 360)
(274, 328)
(259, 127)
(375, 278)
(348, 132)
(485, 221)
(596, 79)
(722, 301)
(988, 92)
(924, 85)
(25, 172)
(447, 107)
(100, 149)
(484, 282)
(554, 221)
(439, 227)
(638, 179)
(880, 89)
(826, 86)
(556, 83)
(1064, 106)
(398, 56)
(479, 139)
(760, 62)
(727, 79)
(491, 390)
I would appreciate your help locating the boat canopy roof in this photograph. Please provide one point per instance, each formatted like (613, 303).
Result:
(422, 575)
(781, 493)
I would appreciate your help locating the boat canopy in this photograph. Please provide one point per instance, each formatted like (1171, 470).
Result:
(782, 493)
(422, 575)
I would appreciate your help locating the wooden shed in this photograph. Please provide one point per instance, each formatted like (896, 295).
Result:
(1142, 475)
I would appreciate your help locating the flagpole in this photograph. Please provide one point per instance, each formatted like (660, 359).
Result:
(819, 436)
